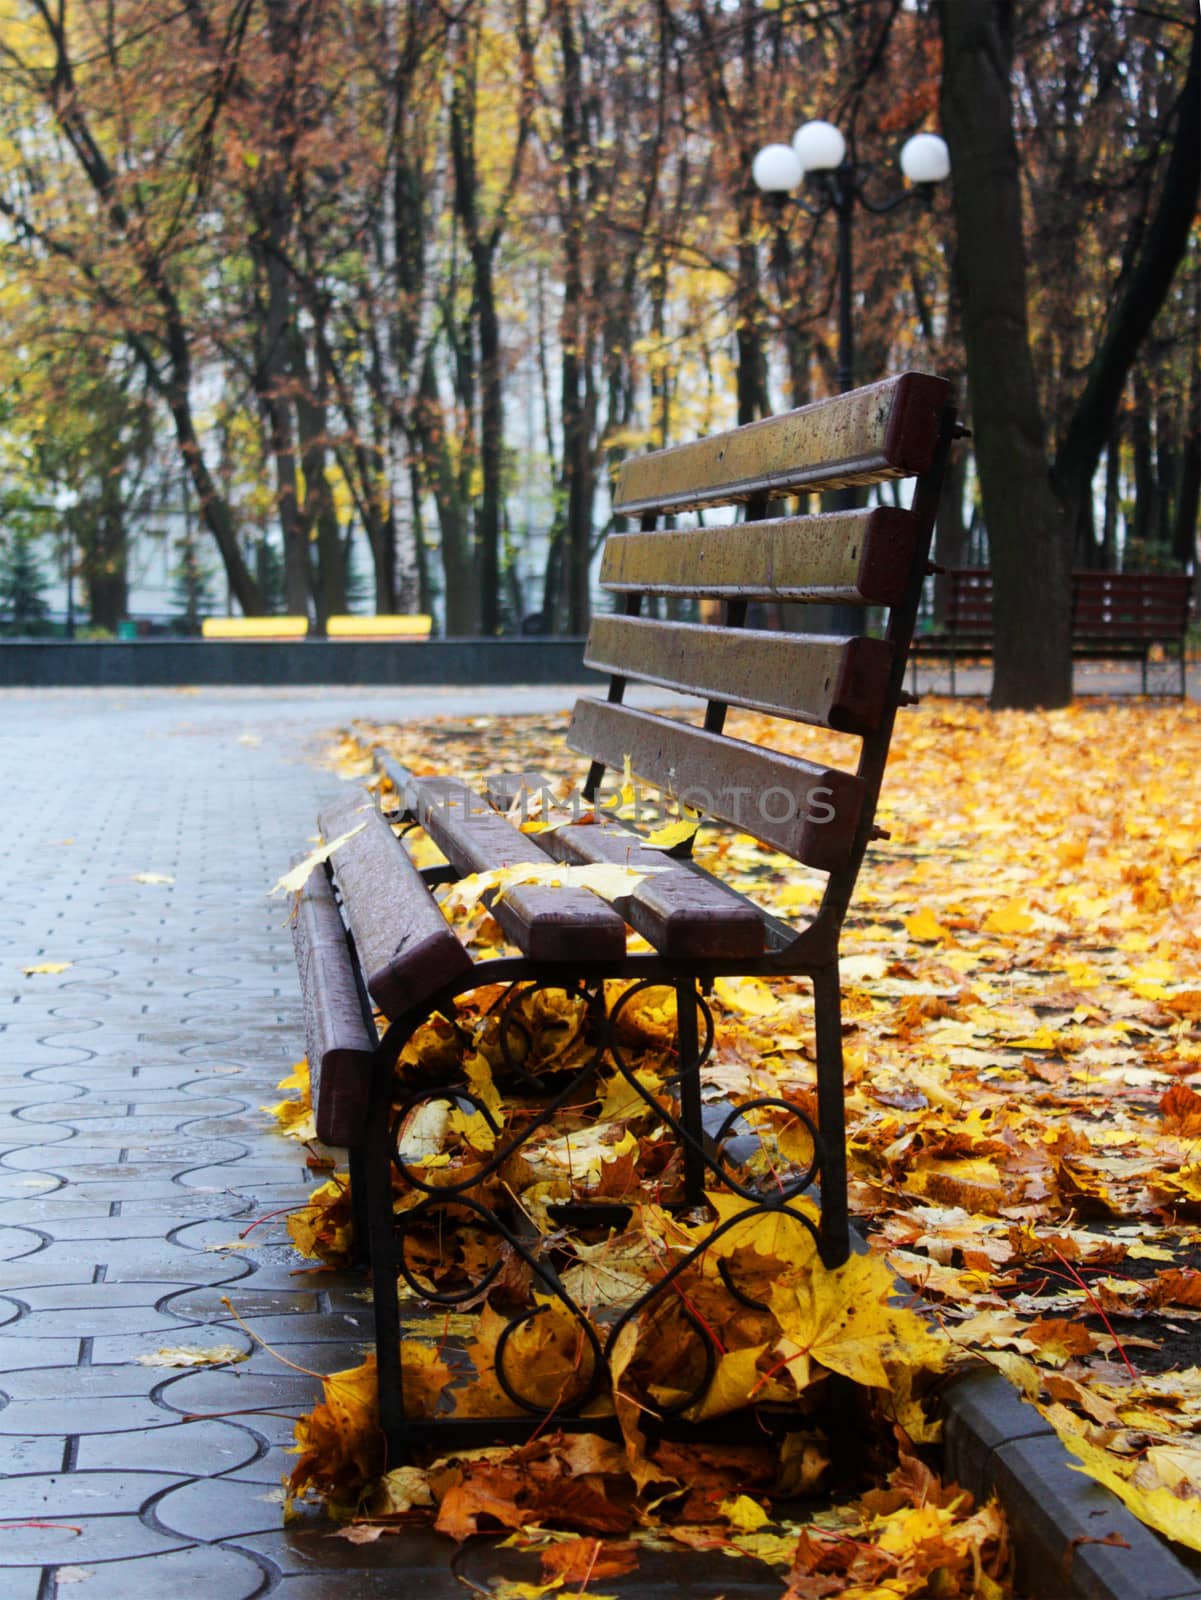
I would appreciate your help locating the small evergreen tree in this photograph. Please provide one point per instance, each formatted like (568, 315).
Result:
(191, 586)
(269, 574)
(23, 606)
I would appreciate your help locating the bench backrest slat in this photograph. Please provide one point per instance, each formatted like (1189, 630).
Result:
(841, 557)
(809, 811)
(887, 430)
(827, 681)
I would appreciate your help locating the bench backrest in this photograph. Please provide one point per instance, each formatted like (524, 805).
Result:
(1130, 605)
(1123, 607)
(855, 558)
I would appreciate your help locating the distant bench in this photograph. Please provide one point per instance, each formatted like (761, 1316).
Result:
(1115, 615)
(383, 626)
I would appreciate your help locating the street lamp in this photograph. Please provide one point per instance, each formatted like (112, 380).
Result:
(818, 153)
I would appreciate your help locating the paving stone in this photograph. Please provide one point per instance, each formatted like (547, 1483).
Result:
(211, 1509)
(16, 1185)
(136, 1192)
(147, 1259)
(18, 1242)
(14, 1134)
(270, 1468)
(86, 1383)
(23, 1583)
(262, 1177)
(115, 1230)
(183, 1448)
(63, 1495)
(93, 1322)
(31, 1453)
(216, 1231)
(91, 1297)
(178, 1204)
(62, 1418)
(247, 1302)
(208, 1391)
(114, 1349)
(45, 1209)
(18, 1353)
(80, 1540)
(332, 1356)
(205, 1572)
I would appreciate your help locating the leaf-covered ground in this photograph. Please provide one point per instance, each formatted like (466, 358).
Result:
(1022, 983)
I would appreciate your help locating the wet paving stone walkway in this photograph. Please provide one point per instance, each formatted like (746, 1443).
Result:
(134, 1158)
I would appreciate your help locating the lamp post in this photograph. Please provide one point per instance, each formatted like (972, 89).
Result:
(818, 153)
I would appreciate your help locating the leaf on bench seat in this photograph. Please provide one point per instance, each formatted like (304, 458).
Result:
(292, 882)
(672, 835)
(605, 879)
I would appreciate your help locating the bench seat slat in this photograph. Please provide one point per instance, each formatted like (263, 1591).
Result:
(846, 557)
(547, 923)
(339, 1045)
(887, 430)
(831, 682)
(809, 811)
(684, 913)
(406, 947)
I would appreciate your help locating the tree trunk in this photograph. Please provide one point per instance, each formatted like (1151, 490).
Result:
(950, 530)
(491, 443)
(329, 587)
(103, 567)
(1108, 553)
(1026, 524)
(461, 587)
(1144, 464)
(1188, 500)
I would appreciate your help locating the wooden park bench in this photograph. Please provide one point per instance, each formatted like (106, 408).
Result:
(368, 931)
(1115, 616)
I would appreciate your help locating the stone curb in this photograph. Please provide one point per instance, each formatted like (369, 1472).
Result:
(994, 1441)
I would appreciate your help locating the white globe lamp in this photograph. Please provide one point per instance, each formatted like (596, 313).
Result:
(819, 146)
(925, 158)
(776, 169)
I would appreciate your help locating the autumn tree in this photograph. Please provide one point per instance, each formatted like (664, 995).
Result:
(1032, 497)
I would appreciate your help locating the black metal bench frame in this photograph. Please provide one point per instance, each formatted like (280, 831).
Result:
(900, 428)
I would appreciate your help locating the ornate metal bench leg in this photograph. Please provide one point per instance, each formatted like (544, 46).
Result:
(827, 1005)
(690, 1091)
(377, 1162)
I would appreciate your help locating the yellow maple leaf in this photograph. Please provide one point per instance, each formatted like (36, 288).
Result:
(1012, 917)
(672, 834)
(751, 996)
(844, 1320)
(925, 927)
(292, 882)
(1159, 1508)
(731, 1387)
(743, 1513)
(608, 879)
